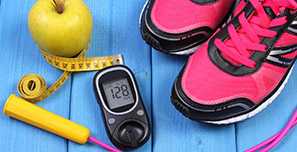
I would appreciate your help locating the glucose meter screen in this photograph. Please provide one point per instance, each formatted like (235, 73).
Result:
(118, 93)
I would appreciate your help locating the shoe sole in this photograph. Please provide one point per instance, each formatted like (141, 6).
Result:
(161, 43)
(184, 109)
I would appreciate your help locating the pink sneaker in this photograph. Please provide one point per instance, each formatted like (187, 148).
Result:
(243, 67)
(179, 26)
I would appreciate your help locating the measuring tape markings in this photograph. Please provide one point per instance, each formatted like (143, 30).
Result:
(33, 87)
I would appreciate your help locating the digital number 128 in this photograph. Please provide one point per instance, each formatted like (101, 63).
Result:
(119, 91)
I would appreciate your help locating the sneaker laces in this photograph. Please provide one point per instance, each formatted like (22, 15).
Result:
(267, 145)
(246, 40)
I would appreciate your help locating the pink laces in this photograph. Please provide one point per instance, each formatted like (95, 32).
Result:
(247, 39)
(274, 140)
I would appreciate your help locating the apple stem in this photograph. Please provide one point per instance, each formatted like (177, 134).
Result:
(59, 6)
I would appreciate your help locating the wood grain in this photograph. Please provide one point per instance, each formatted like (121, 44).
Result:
(115, 32)
(271, 121)
(173, 131)
(21, 56)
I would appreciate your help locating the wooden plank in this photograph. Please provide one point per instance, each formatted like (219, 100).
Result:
(19, 56)
(174, 132)
(271, 120)
(115, 31)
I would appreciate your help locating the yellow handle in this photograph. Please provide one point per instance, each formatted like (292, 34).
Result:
(25, 111)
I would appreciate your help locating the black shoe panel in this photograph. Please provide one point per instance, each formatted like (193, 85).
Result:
(200, 112)
(169, 42)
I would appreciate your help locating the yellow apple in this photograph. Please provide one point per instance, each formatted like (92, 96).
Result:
(61, 30)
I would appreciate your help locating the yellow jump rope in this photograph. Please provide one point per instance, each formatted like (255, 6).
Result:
(32, 87)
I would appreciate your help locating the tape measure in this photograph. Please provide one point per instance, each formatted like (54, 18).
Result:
(33, 87)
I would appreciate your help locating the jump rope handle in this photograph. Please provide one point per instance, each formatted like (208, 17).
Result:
(34, 115)
(268, 144)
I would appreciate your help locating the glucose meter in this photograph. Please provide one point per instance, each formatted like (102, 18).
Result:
(125, 117)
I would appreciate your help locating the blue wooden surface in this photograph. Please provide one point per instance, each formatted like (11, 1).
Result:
(20, 56)
(116, 31)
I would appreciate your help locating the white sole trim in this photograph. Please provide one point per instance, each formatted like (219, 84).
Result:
(142, 11)
(186, 52)
(258, 109)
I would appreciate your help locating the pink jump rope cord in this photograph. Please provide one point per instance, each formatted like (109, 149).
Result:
(274, 140)
(269, 143)
(103, 145)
